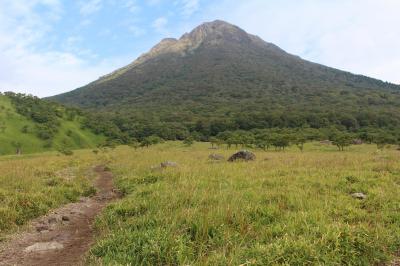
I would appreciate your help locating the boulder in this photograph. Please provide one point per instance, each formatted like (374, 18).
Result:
(242, 156)
(216, 157)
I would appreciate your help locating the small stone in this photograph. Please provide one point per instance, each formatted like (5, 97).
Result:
(44, 246)
(359, 195)
(52, 220)
(42, 227)
(65, 218)
(216, 157)
(168, 164)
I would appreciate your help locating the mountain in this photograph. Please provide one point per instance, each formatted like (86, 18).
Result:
(218, 72)
(28, 125)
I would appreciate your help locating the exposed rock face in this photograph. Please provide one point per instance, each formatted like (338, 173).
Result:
(242, 156)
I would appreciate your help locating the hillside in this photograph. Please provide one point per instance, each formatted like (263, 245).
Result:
(218, 77)
(30, 134)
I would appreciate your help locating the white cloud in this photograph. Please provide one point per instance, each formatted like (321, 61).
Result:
(45, 74)
(26, 69)
(160, 25)
(136, 30)
(89, 7)
(132, 6)
(189, 7)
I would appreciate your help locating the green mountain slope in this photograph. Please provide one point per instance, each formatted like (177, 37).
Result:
(20, 132)
(218, 77)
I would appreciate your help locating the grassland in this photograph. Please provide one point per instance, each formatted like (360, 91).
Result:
(30, 185)
(11, 123)
(285, 208)
(288, 208)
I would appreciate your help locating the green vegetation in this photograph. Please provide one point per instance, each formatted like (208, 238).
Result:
(28, 125)
(234, 81)
(291, 207)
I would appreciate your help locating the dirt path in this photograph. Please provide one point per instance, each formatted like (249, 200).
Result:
(63, 236)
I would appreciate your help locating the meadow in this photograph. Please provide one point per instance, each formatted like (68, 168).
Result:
(284, 208)
(31, 185)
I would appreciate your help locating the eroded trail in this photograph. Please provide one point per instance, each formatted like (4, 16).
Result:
(63, 236)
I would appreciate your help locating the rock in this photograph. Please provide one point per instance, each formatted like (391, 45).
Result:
(44, 246)
(357, 142)
(359, 195)
(168, 164)
(243, 156)
(52, 220)
(42, 227)
(155, 168)
(216, 157)
(65, 218)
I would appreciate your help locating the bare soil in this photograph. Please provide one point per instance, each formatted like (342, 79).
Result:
(63, 236)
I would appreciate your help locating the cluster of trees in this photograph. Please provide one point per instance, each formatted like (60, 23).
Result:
(282, 138)
(248, 128)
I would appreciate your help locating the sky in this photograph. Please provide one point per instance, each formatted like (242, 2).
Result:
(53, 46)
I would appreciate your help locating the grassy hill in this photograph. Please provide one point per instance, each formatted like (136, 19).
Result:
(17, 130)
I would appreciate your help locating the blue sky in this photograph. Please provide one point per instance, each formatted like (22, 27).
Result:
(53, 46)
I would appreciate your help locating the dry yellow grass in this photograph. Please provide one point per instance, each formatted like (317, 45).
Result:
(30, 185)
(285, 208)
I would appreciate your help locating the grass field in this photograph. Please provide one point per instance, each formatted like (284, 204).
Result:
(30, 185)
(288, 208)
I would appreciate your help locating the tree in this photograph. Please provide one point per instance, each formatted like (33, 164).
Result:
(299, 139)
(262, 141)
(151, 140)
(383, 138)
(133, 143)
(214, 141)
(280, 141)
(342, 140)
(18, 147)
(188, 141)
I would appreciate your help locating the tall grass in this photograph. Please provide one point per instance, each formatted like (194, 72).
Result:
(31, 185)
(288, 208)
